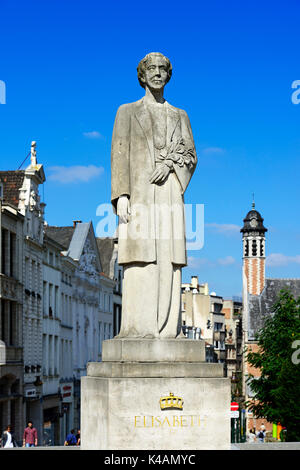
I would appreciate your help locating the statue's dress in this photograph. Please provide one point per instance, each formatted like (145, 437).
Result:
(151, 298)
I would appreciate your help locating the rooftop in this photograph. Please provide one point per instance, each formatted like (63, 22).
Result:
(12, 182)
(262, 306)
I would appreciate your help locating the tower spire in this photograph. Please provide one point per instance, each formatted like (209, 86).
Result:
(254, 251)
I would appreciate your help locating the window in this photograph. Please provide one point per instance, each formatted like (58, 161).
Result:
(50, 300)
(100, 337)
(247, 248)
(13, 255)
(254, 248)
(33, 275)
(11, 324)
(5, 252)
(56, 355)
(119, 281)
(45, 371)
(56, 302)
(261, 248)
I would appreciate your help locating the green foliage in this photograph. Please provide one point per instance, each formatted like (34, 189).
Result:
(277, 390)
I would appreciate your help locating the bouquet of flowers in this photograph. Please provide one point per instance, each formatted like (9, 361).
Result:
(180, 153)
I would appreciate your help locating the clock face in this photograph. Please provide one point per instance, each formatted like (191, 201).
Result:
(253, 223)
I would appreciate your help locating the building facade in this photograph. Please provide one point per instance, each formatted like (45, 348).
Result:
(88, 306)
(32, 209)
(57, 305)
(259, 296)
(232, 310)
(11, 309)
(202, 318)
(108, 250)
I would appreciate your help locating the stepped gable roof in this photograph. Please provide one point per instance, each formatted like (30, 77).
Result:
(62, 235)
(73, 239)
(106, 249)
(262, 306)
(12, 182)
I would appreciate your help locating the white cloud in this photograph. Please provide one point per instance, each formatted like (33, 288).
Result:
(224, 229)
(74, 174)
(226, 261)
(196, 263)
(278, 259)
(93, 135)
(215, 150)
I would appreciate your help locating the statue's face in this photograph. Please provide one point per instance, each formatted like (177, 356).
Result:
(156, 73)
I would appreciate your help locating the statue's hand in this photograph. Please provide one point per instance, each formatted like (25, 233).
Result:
(160, 174)
(123, 209)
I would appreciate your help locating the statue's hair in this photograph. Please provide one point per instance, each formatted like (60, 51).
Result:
(143, 63)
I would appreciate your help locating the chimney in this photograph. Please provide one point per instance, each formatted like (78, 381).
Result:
(194, 282)
(75, 222)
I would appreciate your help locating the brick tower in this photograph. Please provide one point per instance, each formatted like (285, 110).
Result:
(254, 252)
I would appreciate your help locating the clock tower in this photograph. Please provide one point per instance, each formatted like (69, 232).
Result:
(254, 252)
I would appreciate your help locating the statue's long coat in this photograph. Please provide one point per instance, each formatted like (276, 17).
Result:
(132, 164)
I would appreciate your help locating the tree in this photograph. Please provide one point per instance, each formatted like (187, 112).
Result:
(277, 389)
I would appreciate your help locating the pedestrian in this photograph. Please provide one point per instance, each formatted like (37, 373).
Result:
(282, 434)
(251, 436)
(71, 439)
(78, 437)
(261, 433)
(8, 439)
(30, 438)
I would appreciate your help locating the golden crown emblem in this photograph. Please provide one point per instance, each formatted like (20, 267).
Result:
(171, 402)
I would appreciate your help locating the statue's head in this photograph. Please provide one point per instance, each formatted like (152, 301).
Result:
(154, 70)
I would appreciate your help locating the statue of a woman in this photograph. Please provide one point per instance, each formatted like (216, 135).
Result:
(152, 160)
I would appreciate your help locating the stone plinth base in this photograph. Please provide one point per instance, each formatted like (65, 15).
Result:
(170, 404)
(153, 350)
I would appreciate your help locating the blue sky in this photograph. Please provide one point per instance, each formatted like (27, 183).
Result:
(68, 66)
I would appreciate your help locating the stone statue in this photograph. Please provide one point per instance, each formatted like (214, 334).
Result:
(32, 200)
(33, 153)
(153, 158)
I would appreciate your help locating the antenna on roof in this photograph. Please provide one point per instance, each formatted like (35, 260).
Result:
(32, 153)
(253, 202)
(24, 160)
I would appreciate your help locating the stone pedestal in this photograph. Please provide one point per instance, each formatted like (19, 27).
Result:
(155, 395)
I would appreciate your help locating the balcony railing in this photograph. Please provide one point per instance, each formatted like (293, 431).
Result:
(14, 354)
(219, 336)
(10, 288)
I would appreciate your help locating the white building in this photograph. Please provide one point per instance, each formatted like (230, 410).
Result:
(58, 406)
(108, 250)
(57, 305)
(202, 317)
(33, 211)
(91, 302)
(11, 304)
